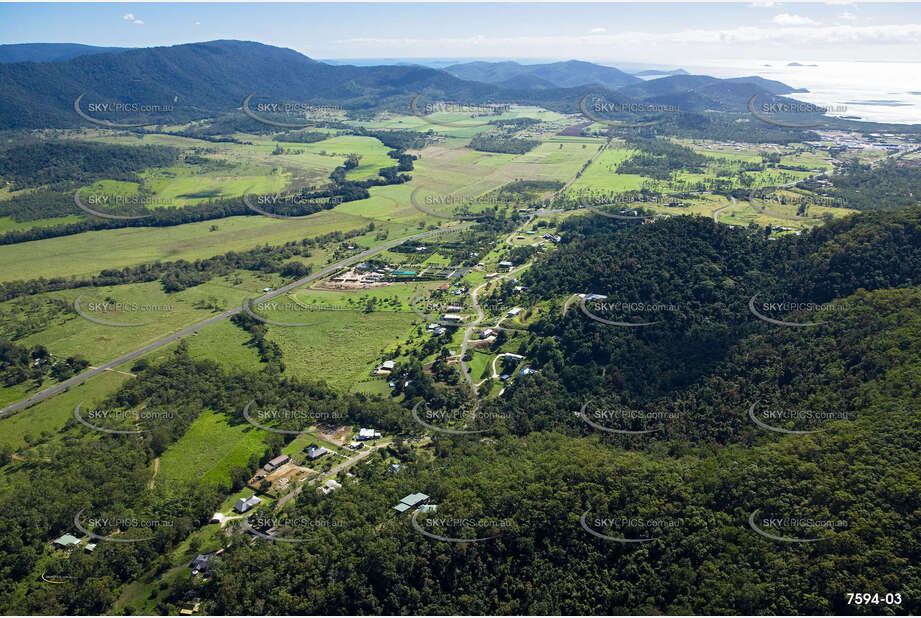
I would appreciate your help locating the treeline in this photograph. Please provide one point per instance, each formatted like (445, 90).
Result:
(502, 144)
(20, 364)
(71, 469)
(661, 158)
(42, 163)
(891, 184)
(182, 274)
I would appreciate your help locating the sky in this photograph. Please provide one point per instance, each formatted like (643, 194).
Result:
(654, 34)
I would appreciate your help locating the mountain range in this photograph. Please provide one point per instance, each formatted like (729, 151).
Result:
(201, 80)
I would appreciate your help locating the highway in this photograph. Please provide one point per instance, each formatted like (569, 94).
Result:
(78, 379)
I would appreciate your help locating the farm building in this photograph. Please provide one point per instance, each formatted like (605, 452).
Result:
(452, 317)
(513, 312)
(275, 463)
(315, 452)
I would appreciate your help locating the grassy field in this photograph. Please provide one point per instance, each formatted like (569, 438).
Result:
(49, 416)
(90, 252)
(69, 334)
(343, 347)
(209, 449)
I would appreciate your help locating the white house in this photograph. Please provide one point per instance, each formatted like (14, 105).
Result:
(245, 504)
(368, 434)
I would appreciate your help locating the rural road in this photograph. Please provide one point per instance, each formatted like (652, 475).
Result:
(334, 470)
(716, 213)
(62, 386)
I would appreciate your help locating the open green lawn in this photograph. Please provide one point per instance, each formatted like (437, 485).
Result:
(68, 334)
(50, 415)
(90, 252)
(343, 347)
(209, 449)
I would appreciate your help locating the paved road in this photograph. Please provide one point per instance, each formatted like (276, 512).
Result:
(62, 386)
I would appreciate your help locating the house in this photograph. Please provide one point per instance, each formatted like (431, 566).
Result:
(368, 434)
(428, 508)
(356, 445)
(276, 463)
(388, 365)
(395, 468)
(486, 334)
(491, 276)
(410, 502)
(452, 317)
(595, 297)
(315, 452)
(90, 547)
(266, 289)
(513, 312)
(505, 265)
(201, 563)
(527, 371)
(245, 504)
(330, 485)
(66, 541)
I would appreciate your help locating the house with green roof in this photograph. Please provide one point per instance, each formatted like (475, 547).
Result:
(66, 541)
(410, 502)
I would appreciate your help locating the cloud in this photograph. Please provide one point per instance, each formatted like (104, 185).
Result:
(785, 19)
(763, 4)
(598, 30)
(128, 16)
(847, 16)
(198, 23)
(137, 21)
(779, 35)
